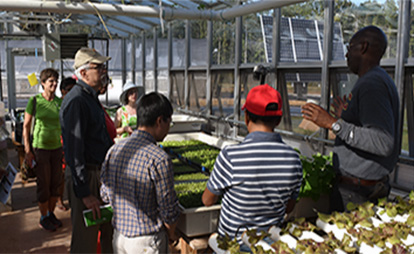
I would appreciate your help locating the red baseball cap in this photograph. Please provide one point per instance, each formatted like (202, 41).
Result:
(260, 97)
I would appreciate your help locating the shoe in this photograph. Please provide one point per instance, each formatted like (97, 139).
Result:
(47, 224)
(55, 220)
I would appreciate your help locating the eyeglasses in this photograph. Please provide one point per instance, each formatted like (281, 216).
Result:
(98, 67)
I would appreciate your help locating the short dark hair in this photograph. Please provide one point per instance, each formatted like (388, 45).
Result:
(47, 73)
(151, 106)
(271, 121)
(66, 82)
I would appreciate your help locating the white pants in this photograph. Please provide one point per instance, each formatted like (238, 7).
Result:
(152, 244)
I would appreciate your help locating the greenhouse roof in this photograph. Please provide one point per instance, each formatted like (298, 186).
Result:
(120, 18)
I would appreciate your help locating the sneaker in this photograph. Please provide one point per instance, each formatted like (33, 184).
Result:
(55, 220)
(47, 224)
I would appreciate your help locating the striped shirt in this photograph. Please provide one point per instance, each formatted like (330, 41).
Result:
(137, 180)
(256, 178)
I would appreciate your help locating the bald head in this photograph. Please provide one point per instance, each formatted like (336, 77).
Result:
(375, 37)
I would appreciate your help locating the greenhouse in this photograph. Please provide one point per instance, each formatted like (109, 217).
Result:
(205, 56)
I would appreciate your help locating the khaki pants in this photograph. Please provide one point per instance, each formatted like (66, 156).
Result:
(84, 239)
(149, 244)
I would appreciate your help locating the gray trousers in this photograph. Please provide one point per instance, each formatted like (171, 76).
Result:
(85, 239)
(342, 194)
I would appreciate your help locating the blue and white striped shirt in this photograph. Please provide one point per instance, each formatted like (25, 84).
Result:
(137, 180)
(256, 178)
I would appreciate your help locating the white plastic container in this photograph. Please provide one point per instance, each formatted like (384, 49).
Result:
(198, 221)
(186, 123)
(208, 139)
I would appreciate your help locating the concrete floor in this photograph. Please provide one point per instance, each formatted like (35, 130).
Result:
(19, 228)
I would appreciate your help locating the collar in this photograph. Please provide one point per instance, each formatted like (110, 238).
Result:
(87, 88)
(263, 136)
(143, 134)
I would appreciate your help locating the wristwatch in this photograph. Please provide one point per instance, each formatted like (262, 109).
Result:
(336, 127)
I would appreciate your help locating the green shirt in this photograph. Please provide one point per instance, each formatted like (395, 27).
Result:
(47, 132)
(128, 120)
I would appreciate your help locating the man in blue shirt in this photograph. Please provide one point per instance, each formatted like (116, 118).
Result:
(85, 143)
(365, 124)
(259, 178)
(137, 180)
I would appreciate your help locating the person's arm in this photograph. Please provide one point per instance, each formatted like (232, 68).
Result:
(209, 198)
(27, 124)
(172, 237)
(366, 138)
(217, 183)
(165, 193)
(74, 133)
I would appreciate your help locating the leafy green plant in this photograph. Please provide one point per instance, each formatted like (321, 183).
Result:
(189, 194)
(189, 177)
(226, 243)
(318, 175)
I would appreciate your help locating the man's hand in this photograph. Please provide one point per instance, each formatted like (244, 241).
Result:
(318, 115)
(128, 130)
(91, 202)
(172, 236)
(29, 158)
(337, 106)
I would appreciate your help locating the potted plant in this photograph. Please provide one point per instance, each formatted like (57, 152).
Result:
(318, 177)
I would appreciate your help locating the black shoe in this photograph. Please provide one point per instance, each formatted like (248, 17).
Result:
(47, 224)
(55, 220)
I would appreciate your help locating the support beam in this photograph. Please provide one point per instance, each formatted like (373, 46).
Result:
(140, 11)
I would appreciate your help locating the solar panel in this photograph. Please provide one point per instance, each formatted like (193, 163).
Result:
(301, 40)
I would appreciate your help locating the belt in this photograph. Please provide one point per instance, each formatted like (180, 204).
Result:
(358, 181)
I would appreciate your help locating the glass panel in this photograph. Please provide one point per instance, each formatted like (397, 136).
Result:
(149, 82)
(356, 14)
(163, 82)
(149, 51)
(247, 83)
(138, 53)
(177, 86)
(301, 32)
(253, 47)
(178, 51)
(223, 93)
(198, 96)
(223, 42)
(162, 49)
(198, 43)
(302, 86)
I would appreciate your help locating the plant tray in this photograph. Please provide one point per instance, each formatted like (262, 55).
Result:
(198, 221)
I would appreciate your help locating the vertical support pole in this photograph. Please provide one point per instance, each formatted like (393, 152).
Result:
(209, 97)
(155, 67)
(400, 77)
(143, 59)
(133, 58)
(187, 64)
(11, 80)
(327, 56)
(123, 60)
(237, 80)
(169, 60)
